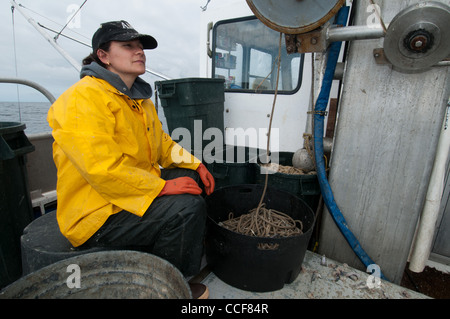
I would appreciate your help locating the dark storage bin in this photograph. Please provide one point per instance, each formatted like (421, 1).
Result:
(16, 210)
(233, 165)
(42, 244)
(238, 259)
(304, 186)
(195, 104)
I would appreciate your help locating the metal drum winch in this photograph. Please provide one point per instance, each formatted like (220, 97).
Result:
(417, 39)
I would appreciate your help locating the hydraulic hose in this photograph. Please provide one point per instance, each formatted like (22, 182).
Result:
(319, 115)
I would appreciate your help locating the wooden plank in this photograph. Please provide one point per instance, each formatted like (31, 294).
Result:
(331, 122)
(385, 143)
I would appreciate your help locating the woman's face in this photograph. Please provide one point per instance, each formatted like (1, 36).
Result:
(127, 58)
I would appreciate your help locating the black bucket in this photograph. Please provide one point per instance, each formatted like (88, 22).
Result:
(232, 165)
(255, 263)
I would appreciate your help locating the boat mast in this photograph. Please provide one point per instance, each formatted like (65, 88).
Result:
(66, 55)
(52, 41)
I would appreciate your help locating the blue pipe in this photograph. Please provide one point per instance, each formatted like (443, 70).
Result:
(319, 115)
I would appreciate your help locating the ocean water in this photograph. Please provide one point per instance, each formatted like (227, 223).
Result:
(34, 115)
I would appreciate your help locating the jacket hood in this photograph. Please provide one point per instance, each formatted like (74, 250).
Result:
(139, 90)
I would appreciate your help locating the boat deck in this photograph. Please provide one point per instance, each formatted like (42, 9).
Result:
(320, 278)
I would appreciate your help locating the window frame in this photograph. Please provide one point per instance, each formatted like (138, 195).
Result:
(247, 55)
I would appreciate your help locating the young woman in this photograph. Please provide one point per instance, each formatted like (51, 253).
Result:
(109, 146)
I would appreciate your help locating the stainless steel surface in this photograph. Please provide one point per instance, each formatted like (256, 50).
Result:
(354, 33)
(419, 37)
(103, 275)
(293, 16)
(388, 121)
(32, 84)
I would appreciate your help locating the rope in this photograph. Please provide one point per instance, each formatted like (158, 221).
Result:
(260, 221)
(271, 119)
(283, 169)
(308, 138)
(15, 62)
(57, 36)
(70, 38)
(53, 21)
(263, 222)
(273, 68)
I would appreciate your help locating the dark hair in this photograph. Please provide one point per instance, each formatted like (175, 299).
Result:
(93, 57)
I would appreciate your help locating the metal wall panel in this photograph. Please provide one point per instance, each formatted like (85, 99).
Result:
(386, 137)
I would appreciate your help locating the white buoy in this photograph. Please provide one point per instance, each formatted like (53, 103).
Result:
(302, 160)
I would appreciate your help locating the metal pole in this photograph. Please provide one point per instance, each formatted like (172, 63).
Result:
(52, 41)
(351, 33)
(162, 76)
(66, 55)
(34, 85)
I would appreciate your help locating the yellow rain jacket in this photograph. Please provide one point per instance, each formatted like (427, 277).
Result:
(108, 150)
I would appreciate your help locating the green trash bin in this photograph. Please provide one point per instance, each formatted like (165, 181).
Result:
(16, 210)
(192, 105)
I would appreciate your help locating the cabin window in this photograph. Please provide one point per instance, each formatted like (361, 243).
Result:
(245, 53)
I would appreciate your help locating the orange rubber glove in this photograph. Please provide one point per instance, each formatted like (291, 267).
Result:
(180, 185)
(207, 179)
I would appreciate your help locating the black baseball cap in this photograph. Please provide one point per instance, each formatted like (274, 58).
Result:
(120, 31)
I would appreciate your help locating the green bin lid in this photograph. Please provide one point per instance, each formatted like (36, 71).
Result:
(11, 127)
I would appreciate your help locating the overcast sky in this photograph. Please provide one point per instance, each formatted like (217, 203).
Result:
(174, 23)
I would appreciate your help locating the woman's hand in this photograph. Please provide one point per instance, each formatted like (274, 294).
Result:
(180, 185)
(207, 178)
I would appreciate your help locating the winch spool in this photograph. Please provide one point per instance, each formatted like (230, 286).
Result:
(293, 16)
(418, 37)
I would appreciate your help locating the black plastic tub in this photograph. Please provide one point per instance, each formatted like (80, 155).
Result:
(255, 263)
(233, 165)
(304, 186)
